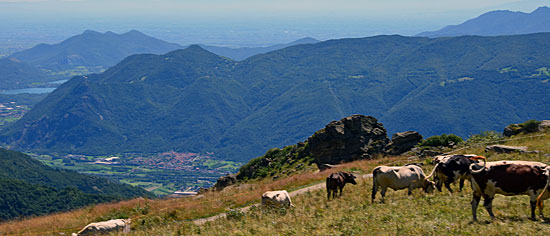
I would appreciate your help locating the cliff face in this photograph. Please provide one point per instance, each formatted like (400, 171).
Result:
(351, 138)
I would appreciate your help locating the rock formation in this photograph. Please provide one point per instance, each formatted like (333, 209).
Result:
(403, 142)
(225, 181)
(351, 138)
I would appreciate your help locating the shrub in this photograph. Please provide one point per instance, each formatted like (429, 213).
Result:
(485, 137)
(443, 140)
(530, 126)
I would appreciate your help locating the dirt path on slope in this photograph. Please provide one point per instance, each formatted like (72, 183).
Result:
(247, 208)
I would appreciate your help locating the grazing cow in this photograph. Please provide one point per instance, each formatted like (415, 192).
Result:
(337, 181)
(105, 227)
(399, 177)
(277, 198)
(508, 178)
(450, 168)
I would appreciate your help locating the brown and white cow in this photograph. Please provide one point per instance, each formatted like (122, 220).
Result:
(105, 227)
(450, 168)
(399, 177)
(508, 178)
(337, 181)
(276, 198)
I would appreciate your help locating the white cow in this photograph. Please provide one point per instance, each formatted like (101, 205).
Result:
(279, 198)
(399, 177)
(105, 227)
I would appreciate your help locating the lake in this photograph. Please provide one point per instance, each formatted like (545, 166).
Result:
(34, 90)
(28, 90)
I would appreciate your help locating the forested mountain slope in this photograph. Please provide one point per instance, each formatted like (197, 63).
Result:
(195, 101)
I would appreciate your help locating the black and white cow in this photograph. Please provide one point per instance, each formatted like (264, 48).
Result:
(450, 168)
(508, 178)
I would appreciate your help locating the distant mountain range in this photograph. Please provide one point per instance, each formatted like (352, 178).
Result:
(195, 101)
(28, 187)
(500, 22)
(92, 49)
(93, 52)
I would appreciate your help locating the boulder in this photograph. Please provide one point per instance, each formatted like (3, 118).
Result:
(506, 149)
(225, 181)
(544, 125)
(403, 142)
(351, 138)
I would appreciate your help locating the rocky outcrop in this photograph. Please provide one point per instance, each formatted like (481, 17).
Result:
(225, 181)
(544, 125)
(403, 142)
(351, 138)
(529, 126)
(506, 149)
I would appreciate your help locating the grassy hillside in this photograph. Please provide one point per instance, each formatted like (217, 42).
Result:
(353, 214)
(194, 101)
(29, 187)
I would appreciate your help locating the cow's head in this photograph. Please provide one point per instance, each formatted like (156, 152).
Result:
(428, 186)
(349, 177)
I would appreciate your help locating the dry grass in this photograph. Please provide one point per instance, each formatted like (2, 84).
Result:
(353, 214)
(148, 213)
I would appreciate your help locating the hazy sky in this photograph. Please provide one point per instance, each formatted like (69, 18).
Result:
(255, 8)
(238, 22)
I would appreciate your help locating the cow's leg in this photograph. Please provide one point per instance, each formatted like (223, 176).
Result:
(438, 183)
(328, 194)
(334, 192)
(533, 208)
(475, 201)
(461, 185)
(340, 188)
(374, 190)
(448, 185)
(409, 190)
(488, 204)
(383, 193)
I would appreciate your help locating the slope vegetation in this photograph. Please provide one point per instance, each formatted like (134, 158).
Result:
(352, 214)
(27, 187)
(194, 101)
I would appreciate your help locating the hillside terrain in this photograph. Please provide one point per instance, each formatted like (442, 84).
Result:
(501, 22)
(353, 213)
(192, 100)
(30, 188)
(16, 74)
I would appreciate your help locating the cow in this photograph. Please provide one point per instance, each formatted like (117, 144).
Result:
(450, 168)
(105, 227)
(399, 177)
(276, 198)
(337, 181)
(508, 178)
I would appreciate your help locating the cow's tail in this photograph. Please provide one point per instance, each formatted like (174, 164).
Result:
(375, 172)
(433, 171)
(473, 164)
(540, 202)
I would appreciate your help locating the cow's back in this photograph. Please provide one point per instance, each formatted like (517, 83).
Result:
(511, 177)
(400, 177)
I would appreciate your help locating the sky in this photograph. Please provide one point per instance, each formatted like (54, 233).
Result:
(253, 8)
(239, 22)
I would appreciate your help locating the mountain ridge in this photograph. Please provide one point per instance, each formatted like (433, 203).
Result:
(238, 109)
(499, 22)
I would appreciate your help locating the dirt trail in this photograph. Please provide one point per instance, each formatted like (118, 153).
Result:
(247, 208)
